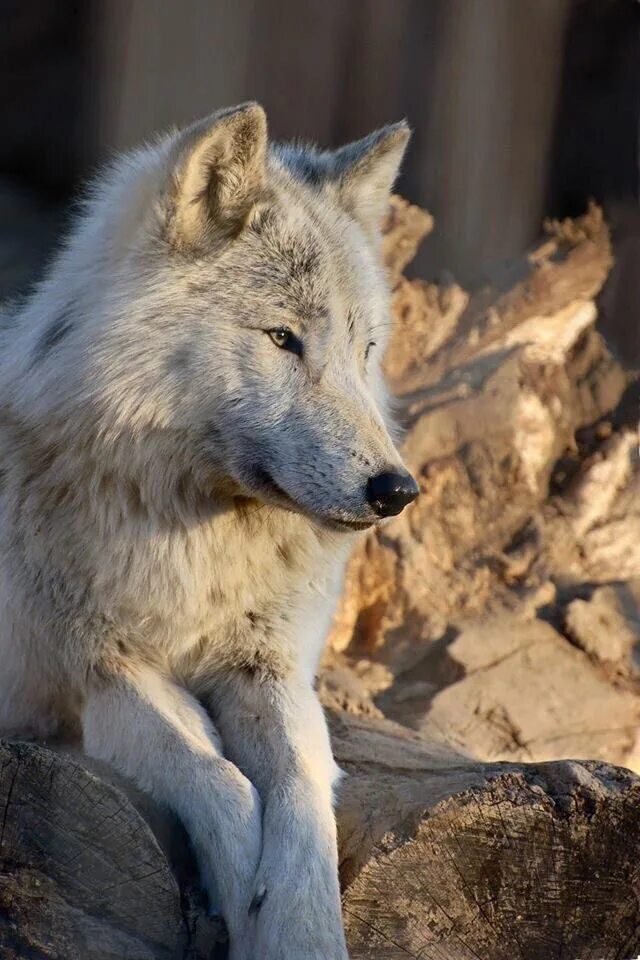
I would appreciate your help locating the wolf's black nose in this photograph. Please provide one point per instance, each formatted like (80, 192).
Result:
(389, 493)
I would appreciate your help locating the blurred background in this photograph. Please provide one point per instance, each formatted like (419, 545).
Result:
(521, 109)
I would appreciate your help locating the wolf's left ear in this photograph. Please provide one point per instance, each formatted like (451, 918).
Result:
(366, 171)
(218, 175)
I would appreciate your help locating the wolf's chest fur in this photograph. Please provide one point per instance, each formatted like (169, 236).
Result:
(253, 590)
(250, 585)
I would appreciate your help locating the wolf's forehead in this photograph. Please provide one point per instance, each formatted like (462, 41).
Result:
(309, 270)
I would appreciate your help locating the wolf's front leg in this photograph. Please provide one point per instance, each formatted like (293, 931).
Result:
(152, 730)
(275, 731)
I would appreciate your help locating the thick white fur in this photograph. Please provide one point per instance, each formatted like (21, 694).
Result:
(152, 591)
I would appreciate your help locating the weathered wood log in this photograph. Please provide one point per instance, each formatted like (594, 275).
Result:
(442, 857)
(81, 875)
(445, 858)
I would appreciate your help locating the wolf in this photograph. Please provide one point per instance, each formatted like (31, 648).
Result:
(193, 430)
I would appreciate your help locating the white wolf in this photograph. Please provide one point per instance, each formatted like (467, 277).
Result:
(192, 427)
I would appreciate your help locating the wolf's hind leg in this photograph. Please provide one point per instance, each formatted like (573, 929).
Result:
(155, 732)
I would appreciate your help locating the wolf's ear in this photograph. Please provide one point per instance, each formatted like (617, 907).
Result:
(367, 170)
(219, 171)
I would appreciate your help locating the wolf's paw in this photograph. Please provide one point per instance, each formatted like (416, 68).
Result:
(295, 950)
(287, 928)
(242, 949)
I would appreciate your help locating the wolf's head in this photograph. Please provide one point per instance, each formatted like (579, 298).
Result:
(238, 302)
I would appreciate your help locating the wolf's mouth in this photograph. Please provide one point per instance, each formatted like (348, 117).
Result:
(351, 524)
(263, 483)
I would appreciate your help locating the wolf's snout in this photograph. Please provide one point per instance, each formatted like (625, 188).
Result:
(389, 493)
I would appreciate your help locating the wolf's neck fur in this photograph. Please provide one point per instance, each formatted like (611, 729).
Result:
(171, 565)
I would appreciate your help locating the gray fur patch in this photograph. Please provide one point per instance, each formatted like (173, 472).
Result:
(258, 900)
(52, 335)
(179, 361)
(317, 167)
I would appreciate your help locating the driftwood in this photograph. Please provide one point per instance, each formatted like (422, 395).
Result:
(498, 617)
(442, 858)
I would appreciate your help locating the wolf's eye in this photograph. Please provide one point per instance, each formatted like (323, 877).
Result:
(368, 347)
(286, 340)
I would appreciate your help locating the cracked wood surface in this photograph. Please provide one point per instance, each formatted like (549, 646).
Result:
(81, 874)
(446, 858)
(441, 858)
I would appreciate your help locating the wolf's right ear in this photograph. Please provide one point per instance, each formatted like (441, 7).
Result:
(366, 171)
(218, 175)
